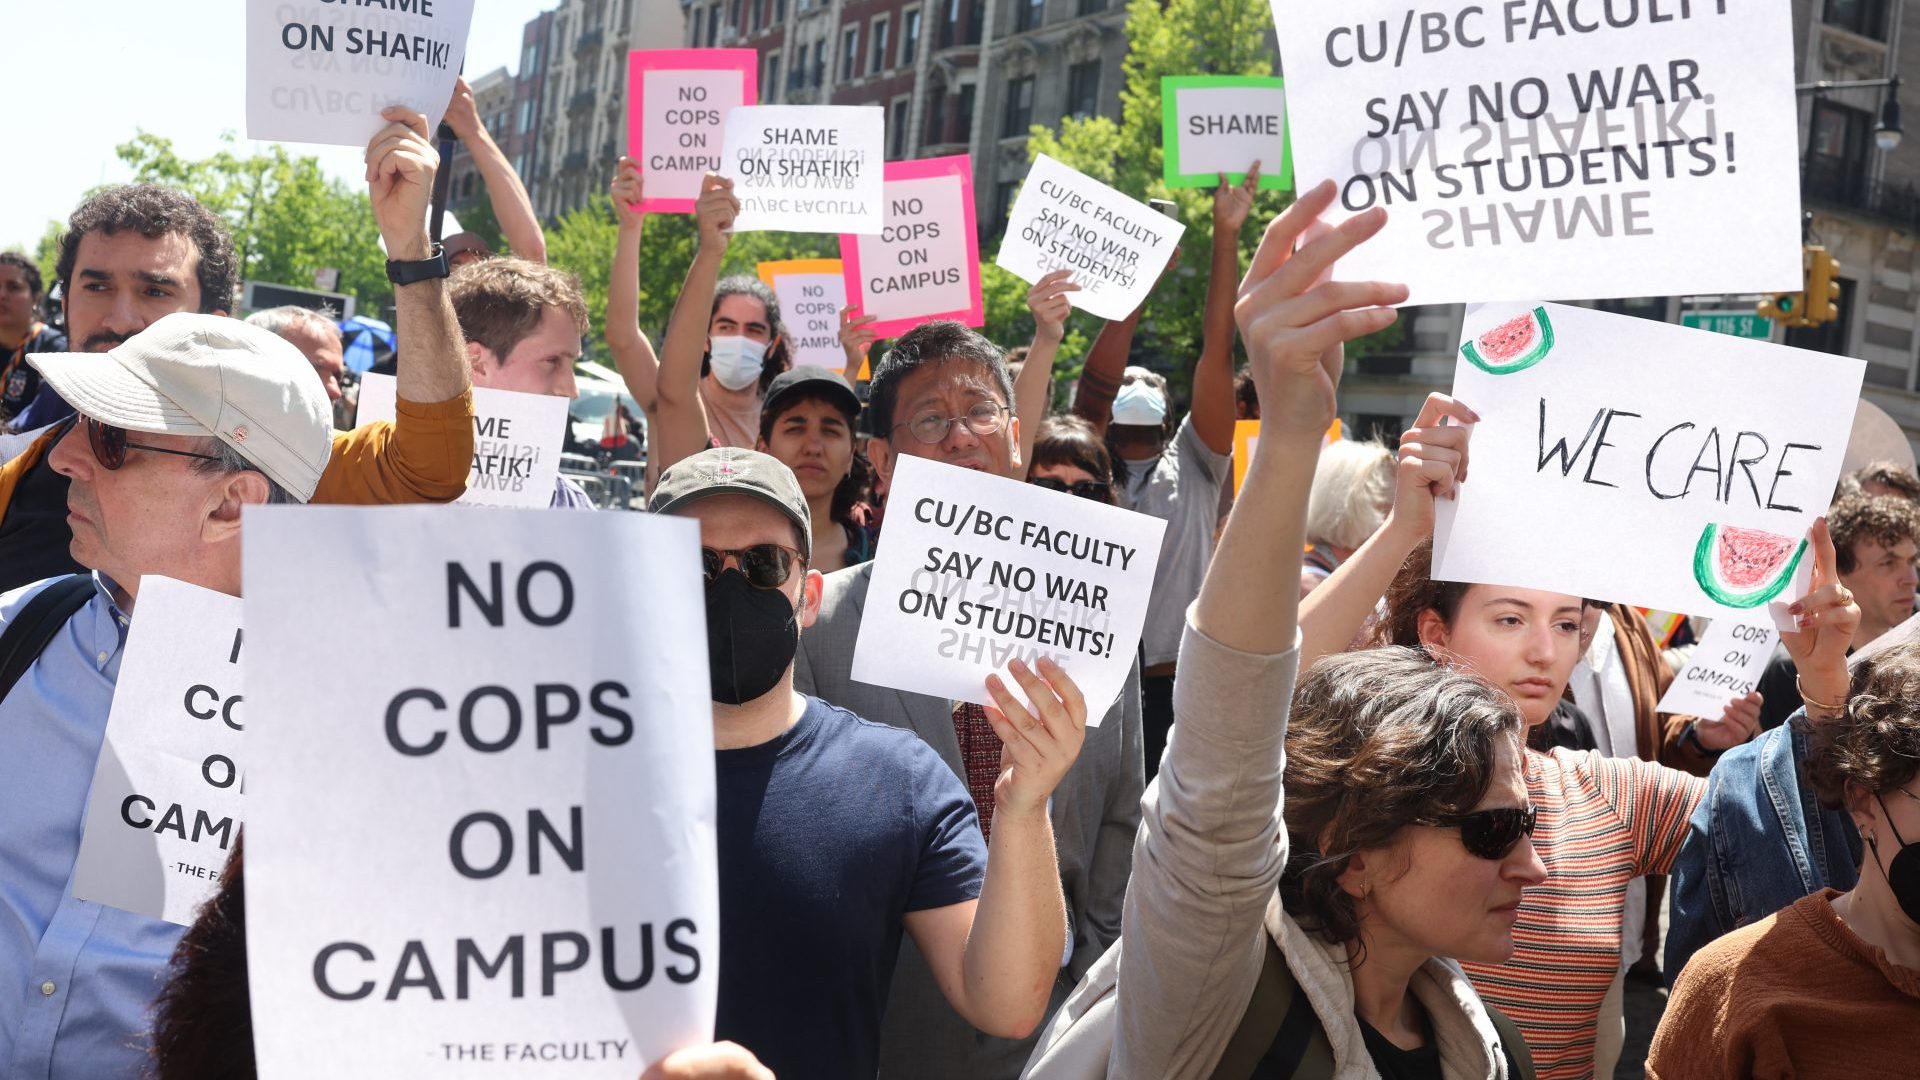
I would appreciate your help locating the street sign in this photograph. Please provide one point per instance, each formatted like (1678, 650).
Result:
(1741, 324)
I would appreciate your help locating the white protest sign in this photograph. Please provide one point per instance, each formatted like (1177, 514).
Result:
(811, 293)
(491, 843)
(925, 263)
(806, 168)
(979, 570)
(1214, 124)
(516, 441)
(1115, 246)
(674, 127)
(1726, 664)
(1552, 147)
(1638, 462)
(320, 71)
(165, 805)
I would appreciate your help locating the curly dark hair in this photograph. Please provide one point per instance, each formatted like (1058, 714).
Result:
(1379, 740)
(27, 267)
(154, 211)
(1880, 519)
(203, 1024)
(780, 356)
(1876, 746)
(1888, 474)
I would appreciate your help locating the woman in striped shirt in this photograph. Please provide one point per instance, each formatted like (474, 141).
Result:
(1603, 821)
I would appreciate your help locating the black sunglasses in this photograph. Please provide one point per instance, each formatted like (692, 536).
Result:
(110, 445)
(767, 566)
(1490, 834)
(1097, 490)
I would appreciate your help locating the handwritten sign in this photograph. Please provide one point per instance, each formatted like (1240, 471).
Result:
(1637, 462)
(806, 168)
(1727, 664)
(677, 121)
(320, 71)
(516, 441)
(925, 262)
(811, 293)
(1115, 246)
(492, 842)
(1213, 124)
(979, 570)
(165, 805)
(1537, 147)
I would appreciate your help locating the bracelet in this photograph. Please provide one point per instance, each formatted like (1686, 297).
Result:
(1824, 706)
(1691, 737)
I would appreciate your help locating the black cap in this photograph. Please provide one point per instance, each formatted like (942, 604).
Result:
(811, 380)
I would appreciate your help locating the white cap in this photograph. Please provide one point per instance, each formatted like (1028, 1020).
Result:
(189, 374)
(1139, 403)
(449, 228)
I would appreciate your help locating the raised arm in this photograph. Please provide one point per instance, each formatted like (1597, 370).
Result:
(683, 420)
(856, 337)
(1032, 391)
(1106, 363)
(512, 208)
(1213, 414)
(633, 354)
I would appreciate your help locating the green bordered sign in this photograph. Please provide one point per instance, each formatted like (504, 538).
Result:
(1213, 124)
(1740, 324)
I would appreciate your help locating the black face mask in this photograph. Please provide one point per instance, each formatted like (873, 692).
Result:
(752, 635)
(1903, 873)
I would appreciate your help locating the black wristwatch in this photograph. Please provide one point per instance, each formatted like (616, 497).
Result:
(433, 266)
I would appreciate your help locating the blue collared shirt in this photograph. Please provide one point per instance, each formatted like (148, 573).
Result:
(76, 979)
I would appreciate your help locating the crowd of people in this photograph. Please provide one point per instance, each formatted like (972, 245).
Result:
(1343, 818)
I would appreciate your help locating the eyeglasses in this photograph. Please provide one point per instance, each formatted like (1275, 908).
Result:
(767, 566)
(1097, 490)
(985, 418)
(110, 445)
(1490, 834)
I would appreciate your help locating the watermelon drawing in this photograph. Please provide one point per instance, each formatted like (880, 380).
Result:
(1514, 345)
(1744, 568)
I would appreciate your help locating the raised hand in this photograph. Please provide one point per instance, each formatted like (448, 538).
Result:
(1432, 463)
(856, 335)
(401, 162)
(1050, 305)
(715, 212)
(1827, 619)
(1038, 743)
(626, 191)
(1233, 202)
(463, 116)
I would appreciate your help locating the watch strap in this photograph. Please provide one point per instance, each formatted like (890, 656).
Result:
(435, 265)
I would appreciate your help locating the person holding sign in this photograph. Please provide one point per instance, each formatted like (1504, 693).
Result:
(1402, 837)
(943, 393)
(836, 834)
(181, 427)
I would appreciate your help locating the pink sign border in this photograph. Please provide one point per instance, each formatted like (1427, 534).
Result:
(641, 61)
(975, 314)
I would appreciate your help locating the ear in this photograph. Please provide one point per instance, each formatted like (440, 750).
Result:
(224, 504)
(810, 595)
(1432, 629)
(478, 356)
(1860, 806)
(760, 445)
(1016, 469)
(880, 452)
(1357, 879)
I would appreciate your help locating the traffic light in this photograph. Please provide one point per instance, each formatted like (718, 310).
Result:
(1823, 287)
(1783, 307)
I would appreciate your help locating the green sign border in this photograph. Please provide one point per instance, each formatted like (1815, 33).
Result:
(1282, 180)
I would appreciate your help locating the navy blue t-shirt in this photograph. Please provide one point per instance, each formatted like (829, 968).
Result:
(828, 836)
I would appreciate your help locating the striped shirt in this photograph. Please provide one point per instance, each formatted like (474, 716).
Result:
(1603, 822)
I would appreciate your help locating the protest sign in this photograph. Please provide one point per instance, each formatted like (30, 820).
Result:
(982, 570)
(165, 803)
(1727, 664)
(925, 262)
(1115, 246)
(1663, 624)
(1213, 124)
(516, 441)
(320, 71)
(1637, 462)
(1547, 147)
(677, 121)
(811, 293)
(490, 841)
(1246, 439)
(806, 168)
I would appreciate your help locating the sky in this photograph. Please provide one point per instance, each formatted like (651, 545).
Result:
(93, 74)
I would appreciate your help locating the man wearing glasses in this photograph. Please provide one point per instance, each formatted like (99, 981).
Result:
(943, 392)
(179, 429)
(836, 834)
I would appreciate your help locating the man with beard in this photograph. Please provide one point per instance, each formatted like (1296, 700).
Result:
(21, 333)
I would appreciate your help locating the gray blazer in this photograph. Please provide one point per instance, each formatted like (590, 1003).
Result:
(1096, 810)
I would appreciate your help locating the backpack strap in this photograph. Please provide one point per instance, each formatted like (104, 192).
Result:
(28, 635)
(1513, 1044)
(1278, 1035)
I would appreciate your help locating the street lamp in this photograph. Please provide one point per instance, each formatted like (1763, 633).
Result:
(1887, 134)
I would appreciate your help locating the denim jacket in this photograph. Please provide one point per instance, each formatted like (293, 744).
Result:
(1758, 842)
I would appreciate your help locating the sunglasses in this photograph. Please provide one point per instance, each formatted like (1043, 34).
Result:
(110, 445)
(1097, 490)
(767, 566)
(1490, 834)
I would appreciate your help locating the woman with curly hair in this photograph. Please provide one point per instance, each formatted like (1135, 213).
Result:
(1829, 986)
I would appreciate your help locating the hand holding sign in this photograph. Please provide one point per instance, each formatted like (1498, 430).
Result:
(715, 212)
(1738, 722)
(856, 335)
(720, 1061)
(1233, 202)
(1050, 304)
(462, 115)
(1040, 744)
(626, 191)
(1826, 618)
(1432, 464)
(401, 162)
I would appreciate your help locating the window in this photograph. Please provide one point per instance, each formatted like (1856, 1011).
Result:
(1003, 195)
(849, 53)
(1837, 141)
(950, 26)
(1083, 89)
(530, 59)
(1640, 307)
(799, 69)
(1089, 7)
(936, 115)
(772, 81)
(526, 115)
(713, 25)
(819, 63)
(909, 36)
(753, 15)
(1028, 14)
(1865, 17)
(779, 10)
(897, 137)
(963, 117)
(878, 36)
(1019, 115)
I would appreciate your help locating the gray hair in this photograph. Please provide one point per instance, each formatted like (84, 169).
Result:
(279, 320)
(228, 460)
(1352, 492)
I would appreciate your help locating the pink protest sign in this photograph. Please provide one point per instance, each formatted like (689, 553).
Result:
(680, 101)
(925, 263)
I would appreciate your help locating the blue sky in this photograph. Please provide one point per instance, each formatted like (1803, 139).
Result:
(84, 77)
